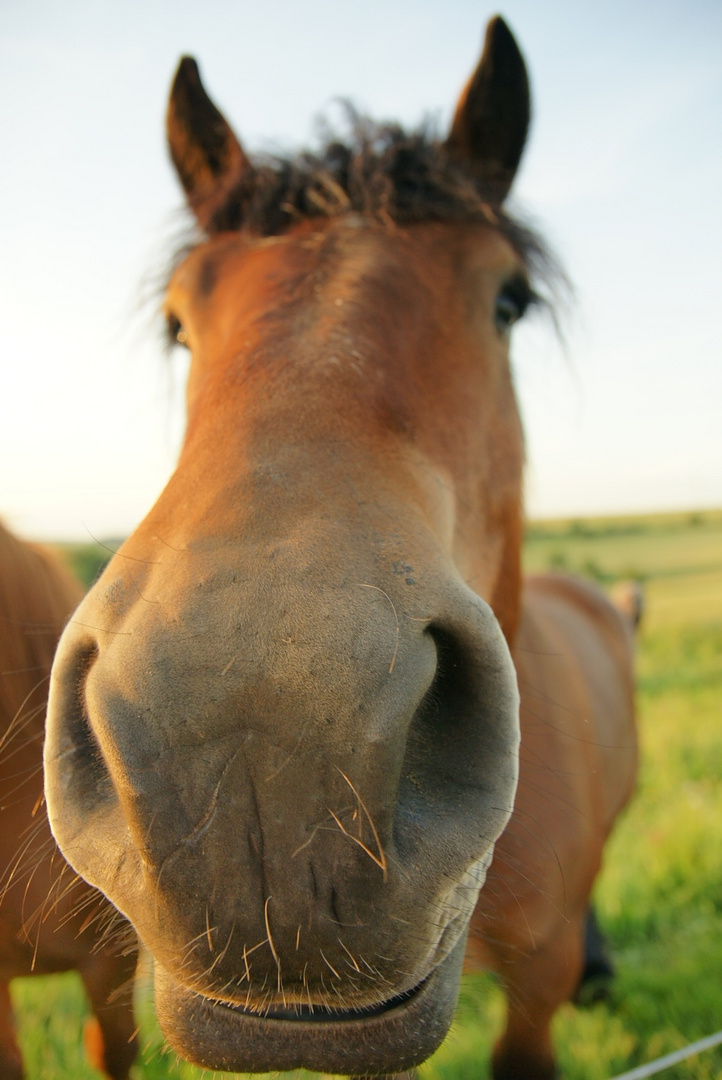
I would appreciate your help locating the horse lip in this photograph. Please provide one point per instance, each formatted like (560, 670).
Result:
(305, 1015)
(394, 1036)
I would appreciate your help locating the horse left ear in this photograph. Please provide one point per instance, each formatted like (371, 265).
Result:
(492, 116)
(208, 158)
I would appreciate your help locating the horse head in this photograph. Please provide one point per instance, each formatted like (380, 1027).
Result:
(284, 723)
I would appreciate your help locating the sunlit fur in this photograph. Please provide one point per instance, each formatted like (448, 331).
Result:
(50, 920)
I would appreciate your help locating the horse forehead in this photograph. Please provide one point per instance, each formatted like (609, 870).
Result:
(214, 260)
(350, 246)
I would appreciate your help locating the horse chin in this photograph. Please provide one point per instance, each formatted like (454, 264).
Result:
(390, 1037)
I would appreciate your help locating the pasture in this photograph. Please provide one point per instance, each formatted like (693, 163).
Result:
(659, 897)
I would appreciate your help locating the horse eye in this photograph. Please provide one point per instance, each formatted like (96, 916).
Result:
(176, 334)
(511, 304)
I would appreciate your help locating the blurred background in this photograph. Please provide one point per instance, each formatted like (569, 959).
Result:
(623, 175)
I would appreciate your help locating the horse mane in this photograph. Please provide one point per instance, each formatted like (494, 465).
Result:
(37, 595)
(391, 176)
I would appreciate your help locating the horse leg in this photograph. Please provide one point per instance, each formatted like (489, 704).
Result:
(536, 984)
(11, 1062)
(110, 1036)
(598, 970)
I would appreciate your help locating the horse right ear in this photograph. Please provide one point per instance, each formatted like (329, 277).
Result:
(207, 156)
(490, 126)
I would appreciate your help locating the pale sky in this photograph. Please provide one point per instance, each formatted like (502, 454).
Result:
(623, 174)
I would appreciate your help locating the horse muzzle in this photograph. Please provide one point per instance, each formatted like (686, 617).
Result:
(293, 793)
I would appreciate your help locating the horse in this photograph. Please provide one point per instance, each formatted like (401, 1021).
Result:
(49, 920)
(284, 727)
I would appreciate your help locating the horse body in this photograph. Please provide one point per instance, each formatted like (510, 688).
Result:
(49, 921)
(577, 767)
(284, 731)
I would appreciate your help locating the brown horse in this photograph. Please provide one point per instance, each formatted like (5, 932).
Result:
(49, 920)
(284, 727)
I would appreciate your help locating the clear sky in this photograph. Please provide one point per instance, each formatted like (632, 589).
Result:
(623, 174)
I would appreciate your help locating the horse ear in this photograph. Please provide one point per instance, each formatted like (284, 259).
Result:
(492, 116)
(207, 156)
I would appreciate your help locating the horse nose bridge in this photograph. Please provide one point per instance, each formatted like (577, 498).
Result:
(278, 631)
(163, 692)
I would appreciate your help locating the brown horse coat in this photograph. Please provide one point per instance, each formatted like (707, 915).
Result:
(578, 762)
(49, 920)
(284, 732)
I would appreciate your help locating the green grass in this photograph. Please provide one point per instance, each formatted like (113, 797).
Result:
(87, 561)
(50, 1011)
(649, 548)
(660, 894)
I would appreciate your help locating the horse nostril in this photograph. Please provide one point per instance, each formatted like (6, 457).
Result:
(460, 759)
(88, 746)
(444, 726)
(74, 739)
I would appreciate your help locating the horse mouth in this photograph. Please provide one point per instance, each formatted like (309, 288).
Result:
(392, 1036)
(324, 1015)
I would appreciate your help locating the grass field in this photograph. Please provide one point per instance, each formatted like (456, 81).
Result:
(660, 894)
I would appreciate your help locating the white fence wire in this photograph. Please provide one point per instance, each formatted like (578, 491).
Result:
(654, 1067)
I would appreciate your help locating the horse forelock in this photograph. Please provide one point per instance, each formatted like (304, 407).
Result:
(390, 176)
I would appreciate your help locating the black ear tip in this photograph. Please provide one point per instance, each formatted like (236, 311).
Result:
(497, 23)
(187, 73)
(499, 36)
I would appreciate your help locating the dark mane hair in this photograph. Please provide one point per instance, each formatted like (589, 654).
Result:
(381, 171)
